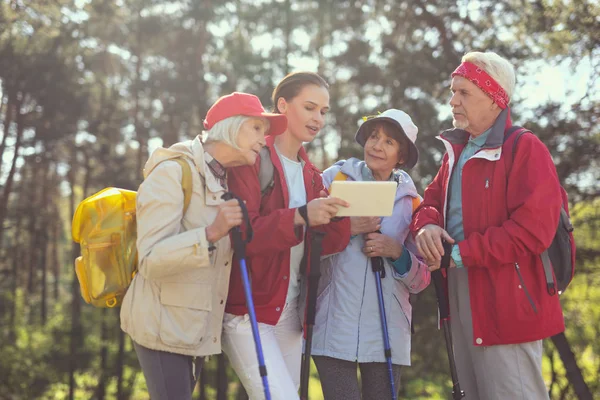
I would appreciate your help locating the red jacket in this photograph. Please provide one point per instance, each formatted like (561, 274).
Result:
(268, 254)
(508, 222)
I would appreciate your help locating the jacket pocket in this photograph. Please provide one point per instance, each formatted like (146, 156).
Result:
(524, 287)
(104, 270)
(185, 313)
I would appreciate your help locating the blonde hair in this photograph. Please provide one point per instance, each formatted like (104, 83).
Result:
(228, 129)
(497, 67)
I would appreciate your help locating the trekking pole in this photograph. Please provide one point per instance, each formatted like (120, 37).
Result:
(239, 245)
(378, 268)
(314, 274)
(444, 309)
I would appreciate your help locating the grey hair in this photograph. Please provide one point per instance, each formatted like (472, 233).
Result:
(227, 130)
(496, 66)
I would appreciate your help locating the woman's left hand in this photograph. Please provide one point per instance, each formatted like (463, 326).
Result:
(380, 245)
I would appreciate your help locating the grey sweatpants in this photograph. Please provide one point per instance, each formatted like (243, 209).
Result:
(491, 372)
(339, 379)
(169, 376)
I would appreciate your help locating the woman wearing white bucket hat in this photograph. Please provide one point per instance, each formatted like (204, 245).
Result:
(347, 328)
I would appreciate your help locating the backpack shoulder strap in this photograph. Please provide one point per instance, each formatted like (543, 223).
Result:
(511, 130)
(520, 131)
(186, 182)
(266, 171)
(340, 176)
(514, 146)
(416, 202)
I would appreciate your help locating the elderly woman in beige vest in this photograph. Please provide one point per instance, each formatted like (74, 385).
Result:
(173, 310)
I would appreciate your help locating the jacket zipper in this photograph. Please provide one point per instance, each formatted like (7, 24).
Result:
(403, 312)
(362, 301)
(518, 269)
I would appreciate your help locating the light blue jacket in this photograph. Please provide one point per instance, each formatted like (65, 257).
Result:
(348, 324)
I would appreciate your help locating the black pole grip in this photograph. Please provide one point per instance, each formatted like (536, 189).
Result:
(438, 282)
(377, 264)
(239, 244)
(314, 275)
(445, 263)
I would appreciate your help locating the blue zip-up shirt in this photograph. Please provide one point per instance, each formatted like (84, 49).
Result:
(454, 222)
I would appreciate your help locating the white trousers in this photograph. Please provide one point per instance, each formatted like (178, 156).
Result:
(282, 350)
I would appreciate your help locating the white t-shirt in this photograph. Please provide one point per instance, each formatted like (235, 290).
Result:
(295, 183)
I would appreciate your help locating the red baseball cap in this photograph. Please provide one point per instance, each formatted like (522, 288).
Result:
(246, 104)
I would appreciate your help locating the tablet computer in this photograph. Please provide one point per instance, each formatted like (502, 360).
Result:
(367, 199)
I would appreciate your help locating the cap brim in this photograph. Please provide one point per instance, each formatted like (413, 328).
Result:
(277, 123)
(413, 151)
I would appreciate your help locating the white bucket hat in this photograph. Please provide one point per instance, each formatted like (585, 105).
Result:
(405, 127)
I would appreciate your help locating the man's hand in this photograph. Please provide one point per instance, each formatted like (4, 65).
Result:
(360, 225)
(380, 245)
(429, 243)
(435, 265)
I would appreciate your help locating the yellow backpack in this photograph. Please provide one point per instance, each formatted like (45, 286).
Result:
(104, 225)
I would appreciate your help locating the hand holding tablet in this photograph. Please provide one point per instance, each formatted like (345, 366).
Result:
(319, 211)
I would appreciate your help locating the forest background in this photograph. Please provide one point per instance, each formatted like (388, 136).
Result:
(89, 88)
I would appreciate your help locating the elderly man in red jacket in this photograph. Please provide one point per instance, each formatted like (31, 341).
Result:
(499, 210)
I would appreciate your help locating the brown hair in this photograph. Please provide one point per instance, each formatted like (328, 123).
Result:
(395, 133)
(293, 83)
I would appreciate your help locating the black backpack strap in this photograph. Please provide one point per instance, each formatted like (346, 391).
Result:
(550, 285)
(513, 129)
(514, 146)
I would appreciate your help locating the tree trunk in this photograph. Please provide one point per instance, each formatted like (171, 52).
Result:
(43, 264)
(75, 328)
(241, 393)
(56, 234)
(101, 389)
(75, 334)
(203, 39)
(288, 33)
(221, 377)
(7, 121)
(15, 277)
(11, 174)
(32, 253)
(3, 111)
(573, 371)
(140, 137)
(203, 382)
(120, 362)
(43, 235)
(321, 34)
